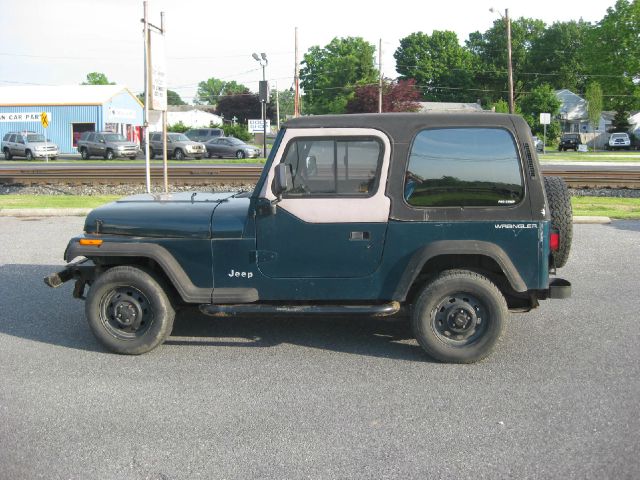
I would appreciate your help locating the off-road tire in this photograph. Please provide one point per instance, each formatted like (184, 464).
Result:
(438, 304)
(559, 201)
(129, 289)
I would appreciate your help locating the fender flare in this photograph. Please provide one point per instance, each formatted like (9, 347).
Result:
(189, 292)
(457, 247)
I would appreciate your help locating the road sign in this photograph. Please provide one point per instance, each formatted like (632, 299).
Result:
(257, 126)
(545, 118)
(44, 119)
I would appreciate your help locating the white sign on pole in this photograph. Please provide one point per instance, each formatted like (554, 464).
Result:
(545, 118)
(256, 126)
(158, 77)
(23, 116)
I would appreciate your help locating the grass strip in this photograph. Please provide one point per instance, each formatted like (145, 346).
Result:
(613, 207)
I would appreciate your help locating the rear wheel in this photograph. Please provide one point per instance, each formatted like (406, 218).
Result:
(7, 154)
(559, 201)
(129, 311)
(152, 154)
(459, 317)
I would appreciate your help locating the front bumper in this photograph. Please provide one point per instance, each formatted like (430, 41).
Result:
(45, 153)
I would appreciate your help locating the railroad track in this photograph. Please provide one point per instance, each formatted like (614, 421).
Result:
(217, 174)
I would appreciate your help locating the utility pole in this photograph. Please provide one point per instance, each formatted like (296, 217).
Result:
(145, 20)
(380, 80)
(296, 81)
(277, 109)
(264, 96)
(165, 154)
(507, 21)
(510, 66)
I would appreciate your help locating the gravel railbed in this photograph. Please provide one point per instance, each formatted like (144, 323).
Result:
(63, 189)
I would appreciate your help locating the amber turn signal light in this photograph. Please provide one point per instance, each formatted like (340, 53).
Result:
(90, 241)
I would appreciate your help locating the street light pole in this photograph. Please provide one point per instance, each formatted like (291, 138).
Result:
(507, 21)
(264, 93)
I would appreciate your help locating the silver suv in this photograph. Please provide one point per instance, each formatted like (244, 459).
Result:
(178, 145)
(108, 145)
(29, 145)
(619, 140)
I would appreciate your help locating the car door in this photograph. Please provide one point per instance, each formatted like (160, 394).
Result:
(332, 222)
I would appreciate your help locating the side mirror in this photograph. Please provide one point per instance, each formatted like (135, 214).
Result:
(102, 140)
(311, 165)
(282, 180)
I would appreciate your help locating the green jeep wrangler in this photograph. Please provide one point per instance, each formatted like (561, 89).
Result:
(444, 217)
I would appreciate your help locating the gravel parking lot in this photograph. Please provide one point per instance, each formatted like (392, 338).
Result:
(299, 398)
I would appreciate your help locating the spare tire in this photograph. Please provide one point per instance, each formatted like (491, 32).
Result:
(559, 201)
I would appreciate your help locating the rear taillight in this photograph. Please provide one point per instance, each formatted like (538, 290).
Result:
(554, 241)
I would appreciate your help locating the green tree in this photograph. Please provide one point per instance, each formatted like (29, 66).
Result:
(178, 127)
(593, 96)
(557, 56)
(443, 69)
(490, 52)
(239, 131)
(330, 74)
(620, 122)
(542, 99)
(174, 99)
(210, 91)
(97, 78)
(285, 98)
(612, 52)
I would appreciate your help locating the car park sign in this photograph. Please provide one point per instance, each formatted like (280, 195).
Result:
(24, 116)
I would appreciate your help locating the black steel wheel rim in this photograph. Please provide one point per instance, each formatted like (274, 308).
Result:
(459, 319)
(126, 313)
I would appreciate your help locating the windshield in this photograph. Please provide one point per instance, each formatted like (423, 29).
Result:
(114, 137)
(571, 137)
(178, 137)
(619, 135)
(36, 137)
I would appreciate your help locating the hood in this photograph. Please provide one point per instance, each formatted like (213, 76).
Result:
(125, 144)
(176, 215)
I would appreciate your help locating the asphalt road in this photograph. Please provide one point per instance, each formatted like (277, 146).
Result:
(295, 398)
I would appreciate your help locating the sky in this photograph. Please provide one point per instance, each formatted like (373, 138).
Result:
(57, 42)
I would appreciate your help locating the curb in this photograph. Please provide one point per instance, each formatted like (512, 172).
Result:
(44, 212)
(591, 220)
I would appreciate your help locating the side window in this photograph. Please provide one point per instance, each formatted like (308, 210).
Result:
(13, 138)
(91, 137)
(6, 137)
(463, 167)
(155, 137)
(339, 166)
(20, 139)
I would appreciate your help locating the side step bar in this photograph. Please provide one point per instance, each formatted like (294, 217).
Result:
(378, 310)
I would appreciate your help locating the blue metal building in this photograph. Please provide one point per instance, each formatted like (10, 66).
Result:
(71, 110)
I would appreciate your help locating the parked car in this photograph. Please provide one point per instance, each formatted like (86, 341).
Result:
(569, 141)
(107, 145)
(178, 146)
(538, 143)
(332, 229)
(230, 147)
(618, 141)
(204, 134)
(29, 145)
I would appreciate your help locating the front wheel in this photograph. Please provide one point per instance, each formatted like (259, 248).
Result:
(178, 154)
(84, 154)
(7, 154)
(459, 317)
(28, 155)
(129, 311)
(109, 155)
(240, 154)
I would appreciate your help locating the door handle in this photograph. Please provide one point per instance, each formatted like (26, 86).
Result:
(359, 236)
